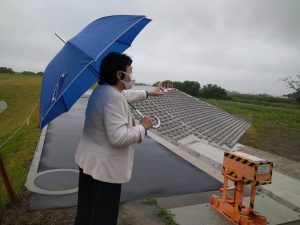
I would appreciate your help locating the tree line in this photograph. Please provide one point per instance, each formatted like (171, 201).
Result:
(11, 71)
(214, 91)
(194, 88)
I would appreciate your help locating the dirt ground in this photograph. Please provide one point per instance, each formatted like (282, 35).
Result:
(133, 213)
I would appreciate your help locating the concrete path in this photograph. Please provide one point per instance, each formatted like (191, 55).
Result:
(157, 171)
(180, 176)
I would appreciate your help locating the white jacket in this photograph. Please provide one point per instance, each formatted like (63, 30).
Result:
(105, 149)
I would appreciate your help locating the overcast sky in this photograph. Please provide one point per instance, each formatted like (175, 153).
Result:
(244, 46)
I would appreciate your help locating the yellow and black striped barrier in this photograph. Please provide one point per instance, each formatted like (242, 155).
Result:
(242, 169)
(250, 169)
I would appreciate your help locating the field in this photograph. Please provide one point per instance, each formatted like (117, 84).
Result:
(274, 129)
(21, 93)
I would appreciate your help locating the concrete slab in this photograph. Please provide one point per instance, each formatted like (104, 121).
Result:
(275, 212)
(185, 200)
(284, 189)
(209, 151)
(201, 214)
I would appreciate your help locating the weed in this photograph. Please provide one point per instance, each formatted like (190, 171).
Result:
(150, 201)
(167, 216)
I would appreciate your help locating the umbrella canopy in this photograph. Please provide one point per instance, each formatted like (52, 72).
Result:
(76, 67)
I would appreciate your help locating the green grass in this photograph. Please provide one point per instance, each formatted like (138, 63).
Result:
(21, 93)
(167, 217)
(274, 129)
(150, 201)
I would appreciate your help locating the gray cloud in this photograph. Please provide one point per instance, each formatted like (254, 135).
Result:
(241, 45)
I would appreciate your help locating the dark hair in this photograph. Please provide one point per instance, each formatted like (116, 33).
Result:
(110, 65)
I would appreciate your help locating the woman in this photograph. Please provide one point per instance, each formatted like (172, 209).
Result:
(105, 153)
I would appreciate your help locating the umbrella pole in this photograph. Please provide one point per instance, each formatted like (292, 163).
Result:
(60, 38)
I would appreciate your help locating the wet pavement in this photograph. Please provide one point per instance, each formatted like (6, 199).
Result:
(157, 171)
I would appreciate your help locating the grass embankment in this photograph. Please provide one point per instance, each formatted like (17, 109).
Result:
(274, 129)
(21, 93)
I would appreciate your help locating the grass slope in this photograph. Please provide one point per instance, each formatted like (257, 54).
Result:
(274, 129)
(21, 93)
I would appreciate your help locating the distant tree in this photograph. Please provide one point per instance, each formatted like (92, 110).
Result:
(191, 87)
(178, 85)
(167, 82)
(213, 91)
(40, 73)
(6, 70)
(27, 73)
(295, 95)
(293, 83)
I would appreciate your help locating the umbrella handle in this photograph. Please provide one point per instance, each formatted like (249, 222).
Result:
(156, 125)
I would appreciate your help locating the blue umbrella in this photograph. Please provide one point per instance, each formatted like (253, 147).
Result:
(76, 67)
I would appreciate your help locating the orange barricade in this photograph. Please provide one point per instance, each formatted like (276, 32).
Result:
(242, 169)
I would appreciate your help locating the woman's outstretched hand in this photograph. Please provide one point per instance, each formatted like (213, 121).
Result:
(157, 91)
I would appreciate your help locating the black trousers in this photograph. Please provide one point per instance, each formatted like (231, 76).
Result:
(98, 202)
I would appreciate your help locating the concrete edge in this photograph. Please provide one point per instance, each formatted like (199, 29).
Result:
(277, 198)
(29, 184)
(212, 167)
(33, 171)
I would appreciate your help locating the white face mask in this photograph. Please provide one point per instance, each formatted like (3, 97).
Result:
(128, 84)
